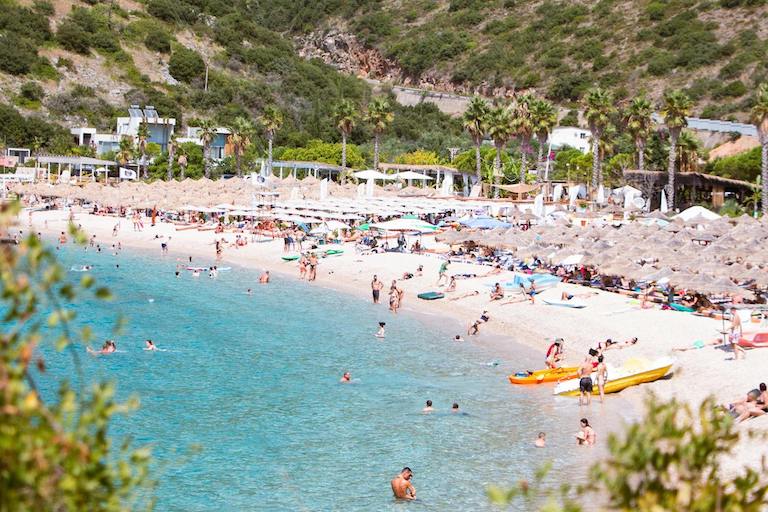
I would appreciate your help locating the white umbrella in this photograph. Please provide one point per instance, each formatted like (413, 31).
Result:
(370, 174)
(404, 225)
(663, 208)
(410, 175)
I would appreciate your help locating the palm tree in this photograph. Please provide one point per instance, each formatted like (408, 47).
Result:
(142, 136)
(271, 120)
(125, 150)
(172, 145)
(240, 138)
(677, 106)
(544, 116)
(598, 107)
(639, 124)
(688, 152)
(345, 117)
(474, 121)
(207, 132)
(522, 124)
(759, 116)
(501, 131)
(380, 115)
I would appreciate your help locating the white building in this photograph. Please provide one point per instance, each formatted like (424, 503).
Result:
(572, 137)
(100, 142)
(160, 128)
(218, 149)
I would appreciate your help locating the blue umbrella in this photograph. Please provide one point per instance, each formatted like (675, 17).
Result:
(485, 223)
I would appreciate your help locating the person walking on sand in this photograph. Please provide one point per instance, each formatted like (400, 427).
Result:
(585, 381)
(303, 262)
(442, 273)
(735, 336)
(602, 377)
(402, 487)
(376, 286)
(312, 275)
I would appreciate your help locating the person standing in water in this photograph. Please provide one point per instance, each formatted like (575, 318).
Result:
(264, 278)
(346, 378)
(402, 487)
(541, 440)
(602, 377)
(382, 332)
(586, 436)
(585, 380)
(428, 408)
(376, 286)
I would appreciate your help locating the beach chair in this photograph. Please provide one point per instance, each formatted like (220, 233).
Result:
(475, 191)
(64, 178)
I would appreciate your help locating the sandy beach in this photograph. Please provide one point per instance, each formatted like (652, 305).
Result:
(697, 374)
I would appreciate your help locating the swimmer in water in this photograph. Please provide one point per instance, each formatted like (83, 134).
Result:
(346, 378)
(402, 487)
(264, 278)
(196, 273)
(108, 348)
(458, 338)
(382, 331)
(455, 407)
(249, 291)
(428, 408)
(149, 345)
(541, 440)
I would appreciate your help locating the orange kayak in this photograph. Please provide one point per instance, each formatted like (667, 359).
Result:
(546, 375)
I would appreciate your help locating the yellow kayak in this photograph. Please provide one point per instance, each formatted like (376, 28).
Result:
(624, 379)
(546, 375)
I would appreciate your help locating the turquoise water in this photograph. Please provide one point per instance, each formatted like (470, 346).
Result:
(254, 380)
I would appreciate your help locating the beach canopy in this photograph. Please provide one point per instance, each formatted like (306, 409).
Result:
(404, 225)
(370, 174)
(410, 175)
(484, 223)
(697, 211)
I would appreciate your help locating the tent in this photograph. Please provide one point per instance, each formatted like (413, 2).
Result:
(697, 211)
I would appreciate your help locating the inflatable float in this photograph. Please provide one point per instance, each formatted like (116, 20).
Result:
(546, 375)
(431, 295)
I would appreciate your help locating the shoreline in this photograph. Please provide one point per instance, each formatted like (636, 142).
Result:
(516, 331)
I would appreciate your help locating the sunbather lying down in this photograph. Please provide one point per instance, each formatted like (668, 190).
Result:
(465, 295)
(698, 344)
(569, 296)
(752, 406)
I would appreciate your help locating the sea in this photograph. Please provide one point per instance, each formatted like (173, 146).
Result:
(243, 407)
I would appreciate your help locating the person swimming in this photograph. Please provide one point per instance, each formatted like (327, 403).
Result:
(381, 333)
(458, 338)
(402, 487)
(264, 278)
(428, 407)
(249, 292)
(455, 407)
(541, 440)
(149, 345)
(107, 348)
(346, 378)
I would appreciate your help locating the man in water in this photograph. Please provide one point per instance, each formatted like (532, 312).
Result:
(541, 440)
(585, 379)
(602, 377)
(402, 487)
(149, 345)
(346, 378)
(428, 408)
(455, 407)
(264, 278)
(376, 286)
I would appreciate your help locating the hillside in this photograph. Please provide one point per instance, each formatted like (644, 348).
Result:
(83, 63)
(714, 48)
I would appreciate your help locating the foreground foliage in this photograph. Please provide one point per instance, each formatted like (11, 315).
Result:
(669, 461)
(55, 453)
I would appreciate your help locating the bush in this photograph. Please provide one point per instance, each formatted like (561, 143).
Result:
(43, 7)
(661, 64)
(32, 91)
(73, 37)
(158, 41)
(744, 166)
(423, 53)
(185, 65)
(16, 54)
(172, 11)
(105, 41)
(731, 90)
(374, 27)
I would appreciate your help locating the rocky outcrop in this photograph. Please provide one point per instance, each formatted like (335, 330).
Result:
(344, 52)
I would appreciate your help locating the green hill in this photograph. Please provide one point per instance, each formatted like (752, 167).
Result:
(84, 62)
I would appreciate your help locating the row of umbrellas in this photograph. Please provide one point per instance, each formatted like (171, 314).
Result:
(712, 258)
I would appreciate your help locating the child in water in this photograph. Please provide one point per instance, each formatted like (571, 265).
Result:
(382, 331)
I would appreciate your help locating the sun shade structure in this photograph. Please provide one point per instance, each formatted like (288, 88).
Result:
(410, 175)
(370, 174)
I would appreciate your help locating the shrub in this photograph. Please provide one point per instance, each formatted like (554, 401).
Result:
(374, 27)
(72, 36)
(656, 11)
(172, 11)
(158, 41)
(733, 69)
(43, 7)
(32, 91)
(185, 65)
(16, 54)
(731, 90)
(661, 63)
(421, 54)
(105, 41)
